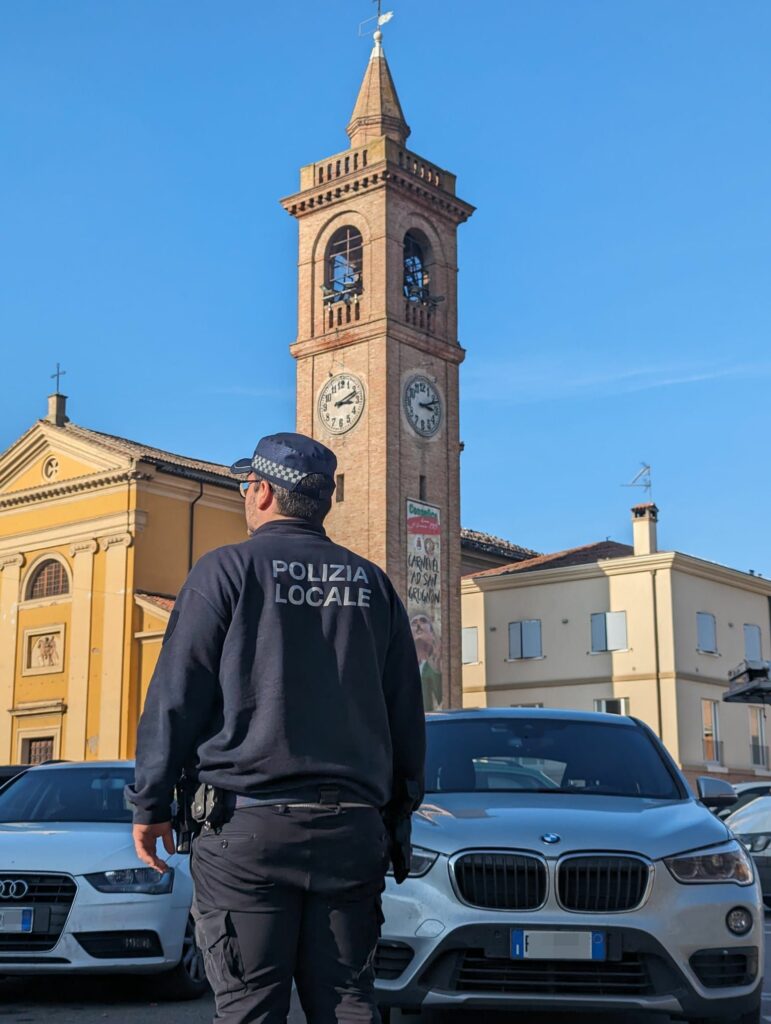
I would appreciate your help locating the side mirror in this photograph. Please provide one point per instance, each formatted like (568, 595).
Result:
(715, 793)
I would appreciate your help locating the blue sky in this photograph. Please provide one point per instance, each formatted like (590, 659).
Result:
(614, 282)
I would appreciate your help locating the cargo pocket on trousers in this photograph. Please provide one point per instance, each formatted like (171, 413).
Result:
(218, 943)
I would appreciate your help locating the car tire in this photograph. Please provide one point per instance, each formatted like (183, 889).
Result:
(385, 1014)
(188, 979)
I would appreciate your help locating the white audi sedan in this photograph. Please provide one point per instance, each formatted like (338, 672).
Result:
(73, 895)
(561, 862)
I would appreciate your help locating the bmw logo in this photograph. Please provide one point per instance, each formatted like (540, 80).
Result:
(550, 837)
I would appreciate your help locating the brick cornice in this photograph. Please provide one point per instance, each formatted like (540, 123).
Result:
(356, 336)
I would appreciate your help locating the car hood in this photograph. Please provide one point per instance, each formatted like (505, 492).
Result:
(449, 822)
(72, 848)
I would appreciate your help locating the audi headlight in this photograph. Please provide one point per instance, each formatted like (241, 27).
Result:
(143, 880)
(421, 862)
(727, 863)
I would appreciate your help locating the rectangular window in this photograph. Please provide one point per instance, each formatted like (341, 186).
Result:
(470, 646)
(710, 731)
(37, 749)
(758, 747)
(612, 705)
(706, 633)
(340, 488)
(753, 648)
(608, 631)
(423, 489)
(525, 639)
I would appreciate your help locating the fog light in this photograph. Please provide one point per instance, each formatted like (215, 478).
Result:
(739, 921)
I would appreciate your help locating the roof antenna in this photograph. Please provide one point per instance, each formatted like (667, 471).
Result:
(643, 479)
(365, 27)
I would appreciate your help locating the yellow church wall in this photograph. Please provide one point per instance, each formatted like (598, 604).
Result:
(30, 521)
(161, 556)
(216, 525)
(32, 726)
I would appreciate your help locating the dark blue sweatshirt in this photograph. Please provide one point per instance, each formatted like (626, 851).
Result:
(288, 663)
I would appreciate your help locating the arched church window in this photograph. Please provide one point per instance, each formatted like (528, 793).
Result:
(343, 266)
(415, 271)
(48, 580)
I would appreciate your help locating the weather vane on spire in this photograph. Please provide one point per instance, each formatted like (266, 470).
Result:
(380, 19)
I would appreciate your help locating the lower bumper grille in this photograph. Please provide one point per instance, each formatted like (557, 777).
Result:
(51, 897)
(392, 959)
(117, 945)
(626, 977)
(722, 968)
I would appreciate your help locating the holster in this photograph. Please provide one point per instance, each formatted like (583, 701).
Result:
(197, 806)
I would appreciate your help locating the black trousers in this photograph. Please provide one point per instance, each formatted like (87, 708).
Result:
(283, 894)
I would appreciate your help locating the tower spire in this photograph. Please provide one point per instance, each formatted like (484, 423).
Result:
(378, 110)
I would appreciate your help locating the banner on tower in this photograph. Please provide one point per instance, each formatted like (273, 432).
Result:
(424, 596)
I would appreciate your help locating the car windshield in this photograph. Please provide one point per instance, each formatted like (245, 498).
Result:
(68, 794)
(546, 755)
(755, 817)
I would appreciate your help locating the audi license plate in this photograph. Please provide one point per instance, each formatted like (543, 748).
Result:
(542, 945)
(16, 919)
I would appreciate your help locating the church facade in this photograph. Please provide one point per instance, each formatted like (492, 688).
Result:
(97, 532)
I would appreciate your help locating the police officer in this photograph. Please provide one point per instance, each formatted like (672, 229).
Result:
(288, 682)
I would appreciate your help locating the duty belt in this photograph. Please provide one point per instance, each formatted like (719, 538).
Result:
(329, 797)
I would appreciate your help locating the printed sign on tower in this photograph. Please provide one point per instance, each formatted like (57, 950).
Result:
(424, 599)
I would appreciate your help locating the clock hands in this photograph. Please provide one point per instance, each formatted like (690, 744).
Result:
(346, 401)
(428, 405)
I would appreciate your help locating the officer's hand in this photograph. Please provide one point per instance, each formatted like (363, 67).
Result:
(145, 837)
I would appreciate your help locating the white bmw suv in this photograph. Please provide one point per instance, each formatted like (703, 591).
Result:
(560, 861)
(73, 895)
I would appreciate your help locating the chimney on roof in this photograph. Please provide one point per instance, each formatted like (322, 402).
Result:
(57, 409)
(644, 520)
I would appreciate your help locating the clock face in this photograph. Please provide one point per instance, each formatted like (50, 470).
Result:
(422, 405)
(341, 402)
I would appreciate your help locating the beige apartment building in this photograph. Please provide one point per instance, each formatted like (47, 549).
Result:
(630, 630)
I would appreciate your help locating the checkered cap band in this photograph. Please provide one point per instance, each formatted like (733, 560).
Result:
(275, 470)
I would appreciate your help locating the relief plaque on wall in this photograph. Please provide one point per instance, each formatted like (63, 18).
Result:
(43, 650)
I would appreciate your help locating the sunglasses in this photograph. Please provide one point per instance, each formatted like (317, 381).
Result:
(244, 486)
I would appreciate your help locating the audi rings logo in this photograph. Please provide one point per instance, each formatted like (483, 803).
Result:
(13, 890)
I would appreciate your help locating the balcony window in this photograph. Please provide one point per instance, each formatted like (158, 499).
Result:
(608, 632)
(758, 748)
(525, 639)
(711, 745)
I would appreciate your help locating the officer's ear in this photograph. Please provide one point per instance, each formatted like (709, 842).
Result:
(265, 496)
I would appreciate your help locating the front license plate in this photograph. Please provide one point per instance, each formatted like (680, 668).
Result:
(542, 945)
(16, 919)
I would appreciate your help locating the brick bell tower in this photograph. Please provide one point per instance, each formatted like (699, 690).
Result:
(377, 361)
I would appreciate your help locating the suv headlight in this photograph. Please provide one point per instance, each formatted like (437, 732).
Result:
(726, 863)
(143, 880)
(421, 862)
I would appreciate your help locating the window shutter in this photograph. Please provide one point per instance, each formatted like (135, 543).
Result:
(515, 640)
(599, 632)
(706, 632)
(531, 638)
(469, 645)
(616, 631)
(752, 645)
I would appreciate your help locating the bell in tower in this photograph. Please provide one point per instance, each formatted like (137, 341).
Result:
(377, 361)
